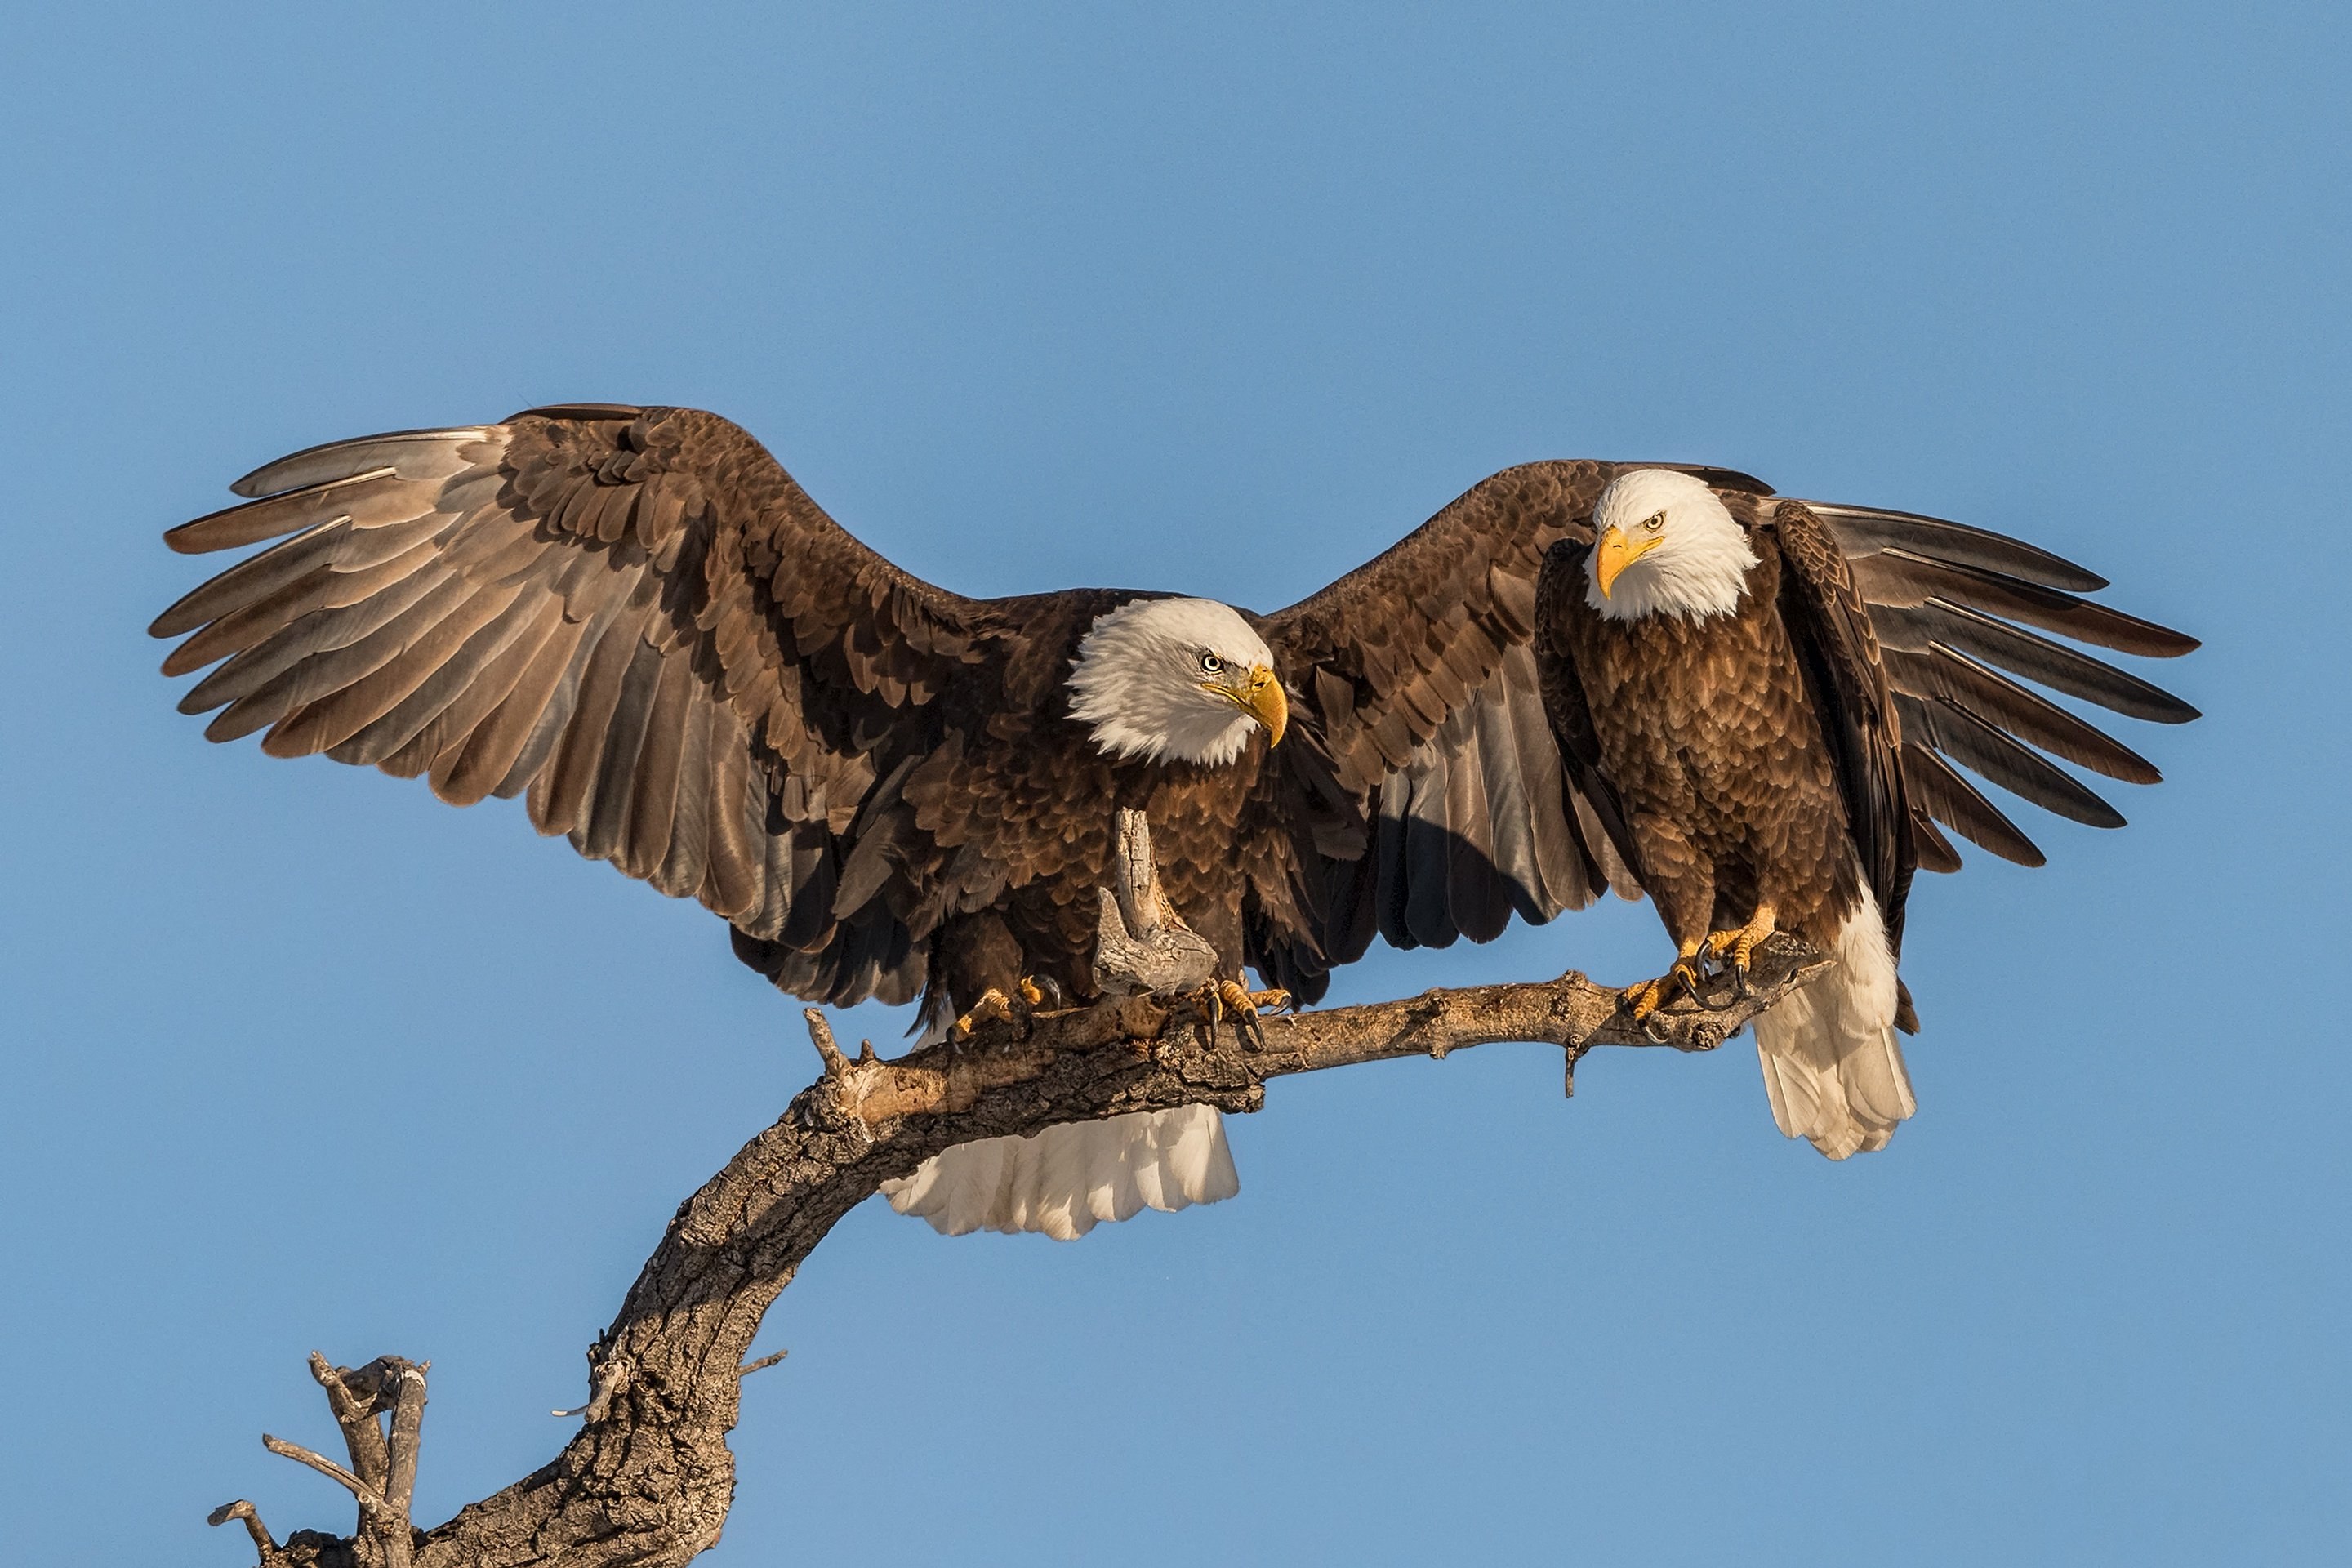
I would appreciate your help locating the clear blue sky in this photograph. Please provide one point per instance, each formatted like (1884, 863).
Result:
(1221, 301)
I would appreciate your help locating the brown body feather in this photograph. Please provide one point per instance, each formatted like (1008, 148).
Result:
(1710, 736)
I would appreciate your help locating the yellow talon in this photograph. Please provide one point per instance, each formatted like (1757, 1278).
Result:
(1740, 943)
(1030, 993)
(1236, 997)
(994, 1007)
(1651, 995)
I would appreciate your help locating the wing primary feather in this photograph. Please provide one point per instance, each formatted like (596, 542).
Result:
(410, 453)
(359, 702)
(320, 634)
(297, 677)
(1899, 577)
(339, 545)
(1936, 851)
(256, 521)
(1968, 740)
(1913, 627)
(1861, 528)
(1967, 685)
(1950, 799)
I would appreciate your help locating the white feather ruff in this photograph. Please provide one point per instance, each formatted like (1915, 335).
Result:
(1064, 1180)
(1700, 565)
(1832, 1068)
(1138, 676)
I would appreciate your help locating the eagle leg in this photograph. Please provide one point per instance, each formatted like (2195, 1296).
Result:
(1740, 943)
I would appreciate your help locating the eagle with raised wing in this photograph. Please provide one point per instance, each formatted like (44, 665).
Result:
(1763, 697)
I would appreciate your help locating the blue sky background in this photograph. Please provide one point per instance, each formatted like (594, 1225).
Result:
(1224, 300)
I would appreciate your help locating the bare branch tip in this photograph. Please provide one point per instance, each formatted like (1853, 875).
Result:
(762, 1364)
(370, 1501)
(263, 1541)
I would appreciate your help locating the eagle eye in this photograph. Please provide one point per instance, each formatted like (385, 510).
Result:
(1211, 664)
(1655, 521)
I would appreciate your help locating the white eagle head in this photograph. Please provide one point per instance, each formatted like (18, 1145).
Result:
(1176, 680)
(1664, 543)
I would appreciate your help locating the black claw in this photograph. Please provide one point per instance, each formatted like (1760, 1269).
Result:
(1649, 1032)
(1739, 980)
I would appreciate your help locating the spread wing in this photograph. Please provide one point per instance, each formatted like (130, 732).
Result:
(633, 618)
(1418, 671)
(1951, 607)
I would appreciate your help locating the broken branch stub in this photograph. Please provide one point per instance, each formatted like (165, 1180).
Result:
(1142, 948)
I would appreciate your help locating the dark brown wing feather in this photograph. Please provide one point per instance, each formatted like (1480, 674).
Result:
(1417, 673)
(1830, 627)
(632, 616)
(1566, 706)
(1944, 599)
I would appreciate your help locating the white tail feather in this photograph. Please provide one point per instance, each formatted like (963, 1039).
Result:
(1064, 1180)
(1831, 1065)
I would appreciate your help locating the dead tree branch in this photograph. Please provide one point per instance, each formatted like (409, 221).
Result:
(649, 1477)
(381, 1477)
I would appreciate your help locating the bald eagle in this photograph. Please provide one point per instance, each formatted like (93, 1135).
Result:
(635, 619)
(1759, 696)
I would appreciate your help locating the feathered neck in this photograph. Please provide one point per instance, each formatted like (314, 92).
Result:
(1699, 566)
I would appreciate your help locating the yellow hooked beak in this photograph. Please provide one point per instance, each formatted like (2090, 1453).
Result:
(1616, 554)
(1257, 693)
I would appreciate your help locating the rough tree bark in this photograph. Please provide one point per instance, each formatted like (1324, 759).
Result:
(649, 1477)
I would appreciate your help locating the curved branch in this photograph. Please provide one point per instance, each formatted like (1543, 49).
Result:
(649, 1477)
